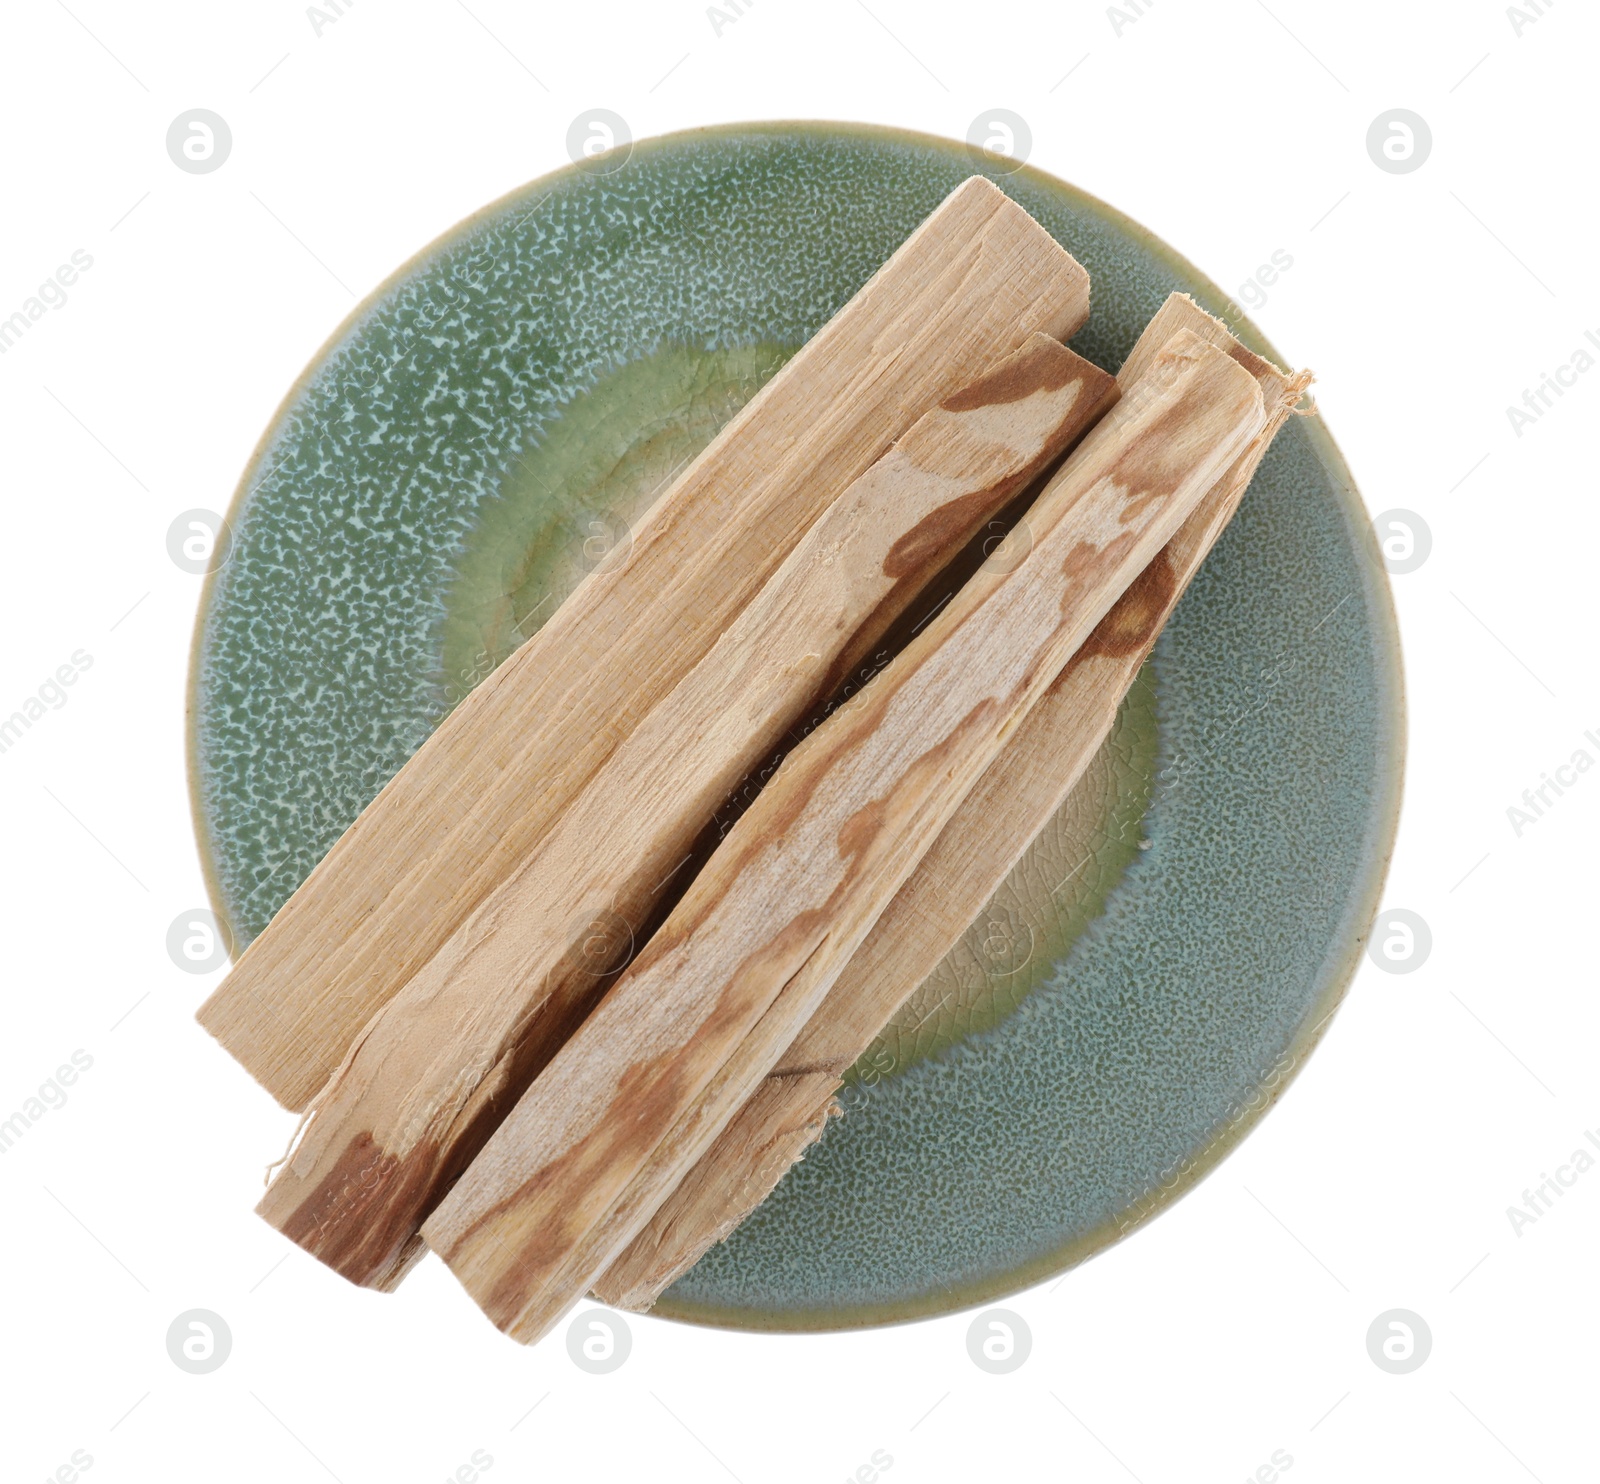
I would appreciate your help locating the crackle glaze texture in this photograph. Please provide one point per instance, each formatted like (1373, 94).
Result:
(413, 504)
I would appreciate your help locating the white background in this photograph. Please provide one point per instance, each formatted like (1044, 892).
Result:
(1232, 1327)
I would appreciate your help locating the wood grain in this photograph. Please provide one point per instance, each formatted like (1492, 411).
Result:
(438, 1066)
(1015, 799)
(967, 287)
(689, 1030)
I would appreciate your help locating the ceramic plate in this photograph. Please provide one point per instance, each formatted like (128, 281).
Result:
(1157, 967)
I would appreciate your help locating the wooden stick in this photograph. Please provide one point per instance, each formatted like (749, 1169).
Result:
(968, 286)
(766, 927)
(433, 1071)
(1014, 800)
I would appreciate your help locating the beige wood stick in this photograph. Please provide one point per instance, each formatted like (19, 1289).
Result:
(436, 1068)
(1013, 801)
(967, 287)
(765, 928)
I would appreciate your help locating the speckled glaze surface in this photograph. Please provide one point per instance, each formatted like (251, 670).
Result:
(527, 383)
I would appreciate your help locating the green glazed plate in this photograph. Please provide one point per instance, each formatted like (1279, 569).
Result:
(487, 425)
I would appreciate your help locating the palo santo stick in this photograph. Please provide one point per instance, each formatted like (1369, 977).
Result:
(432, 1072)
(765, 928)
(1005, 812)
(967, 287)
